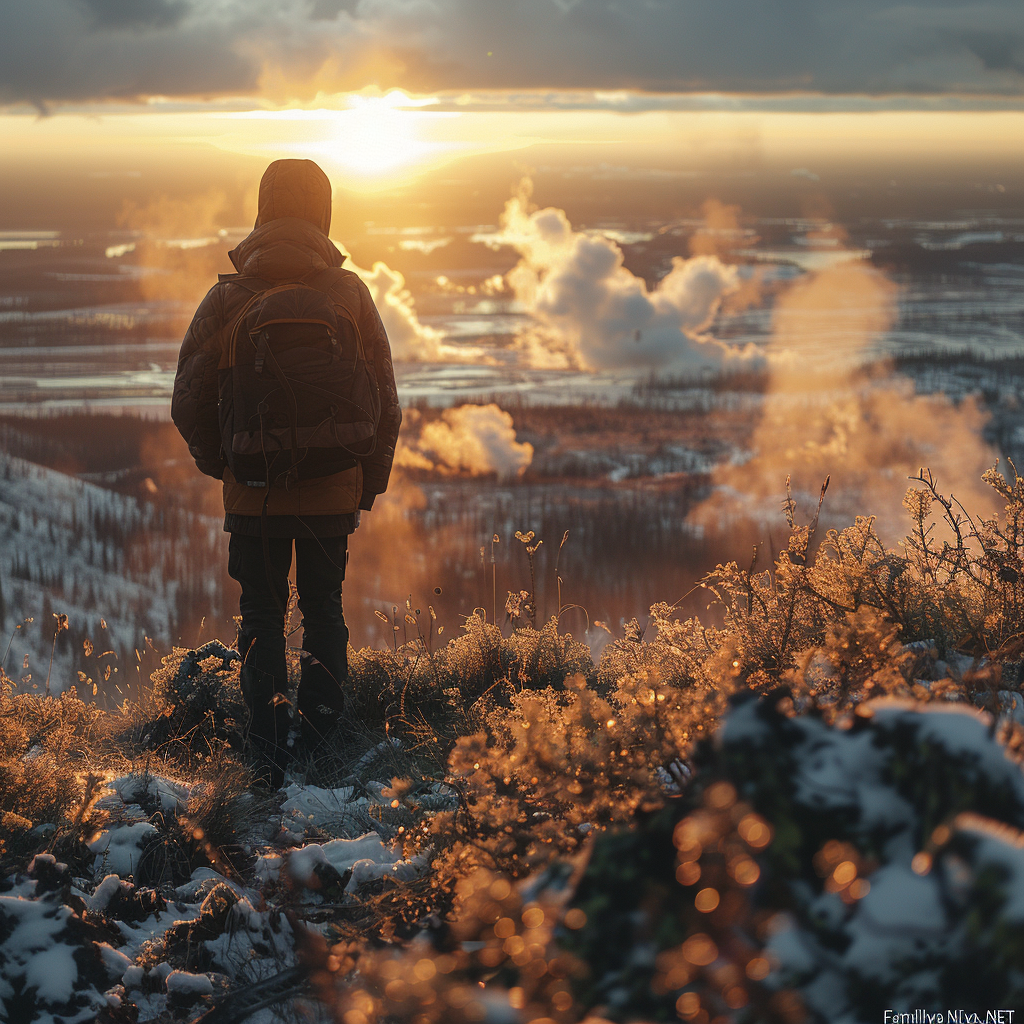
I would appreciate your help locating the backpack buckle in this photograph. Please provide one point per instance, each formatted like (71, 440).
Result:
(261, 353)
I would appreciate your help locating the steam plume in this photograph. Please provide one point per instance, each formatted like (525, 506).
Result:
(410, 340)
(477, 439)
(821, 418)
(593, 313)
(181, 247)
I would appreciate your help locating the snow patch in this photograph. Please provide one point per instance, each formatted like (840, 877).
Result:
(119, 849)
(366, 857)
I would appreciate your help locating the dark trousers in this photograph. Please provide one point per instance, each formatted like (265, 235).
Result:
(319, 573)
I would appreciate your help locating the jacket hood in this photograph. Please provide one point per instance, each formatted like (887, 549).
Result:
(285, 249)
(295, 188)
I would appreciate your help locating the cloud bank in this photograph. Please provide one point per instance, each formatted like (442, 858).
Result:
(52, 50)
(592, 313)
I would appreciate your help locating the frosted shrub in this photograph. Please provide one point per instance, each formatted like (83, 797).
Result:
(45, 762)
(196, 702)
(433, 697)
(968, 590)
(547, 769)
(496, 961)
(816, 873)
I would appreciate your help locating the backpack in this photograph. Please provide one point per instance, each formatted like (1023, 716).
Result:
(298, 395)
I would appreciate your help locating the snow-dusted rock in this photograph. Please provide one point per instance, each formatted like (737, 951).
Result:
(186, 987)
(103, 893)
(268, 867)
(169, 796)
(203, 880)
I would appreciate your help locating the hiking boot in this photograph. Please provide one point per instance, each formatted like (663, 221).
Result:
(267, 763)
(318, 723)
(269, 724)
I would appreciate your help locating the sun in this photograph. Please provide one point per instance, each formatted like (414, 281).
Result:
(369, 142)
(374, 137)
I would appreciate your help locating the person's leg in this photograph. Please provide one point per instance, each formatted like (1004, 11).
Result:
(319, 574)
(261, 640)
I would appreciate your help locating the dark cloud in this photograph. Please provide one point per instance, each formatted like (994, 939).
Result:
(53, 50)
(328, 10)
(135, 14)
(836, 46)
(996, 51)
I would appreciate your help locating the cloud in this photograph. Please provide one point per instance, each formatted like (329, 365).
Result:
(593, 313)
(53, 50)
(328, 10)
(996, 51)
(476, 439)
(135, 14)
(623, 101)
(71, 50)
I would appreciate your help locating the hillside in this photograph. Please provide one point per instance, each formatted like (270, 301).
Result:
(111, 563)
(812, 811)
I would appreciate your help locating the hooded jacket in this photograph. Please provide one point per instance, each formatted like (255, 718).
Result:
(289, 243)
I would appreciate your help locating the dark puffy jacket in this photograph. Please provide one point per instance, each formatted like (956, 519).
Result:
(281, 249)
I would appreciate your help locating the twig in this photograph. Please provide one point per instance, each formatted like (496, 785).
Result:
(59, 625)
(565, 537)
(791, 611)
(569, 607)
(241, 1003)
(494, 580)
(14, 633)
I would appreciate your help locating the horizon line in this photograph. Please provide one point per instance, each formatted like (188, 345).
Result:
(623, 101)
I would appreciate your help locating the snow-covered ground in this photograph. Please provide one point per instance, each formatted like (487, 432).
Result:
(69, 947)
(72, 948)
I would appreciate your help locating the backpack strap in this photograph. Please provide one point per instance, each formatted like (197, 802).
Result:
(339, 307)
(256, 286)
(246, 281)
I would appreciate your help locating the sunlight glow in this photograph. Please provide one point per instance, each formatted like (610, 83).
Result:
(374, 141)
(373, 137)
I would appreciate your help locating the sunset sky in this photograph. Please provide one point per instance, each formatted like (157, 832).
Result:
(381, 90)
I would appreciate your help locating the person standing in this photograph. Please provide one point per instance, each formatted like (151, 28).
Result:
(285, 391)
